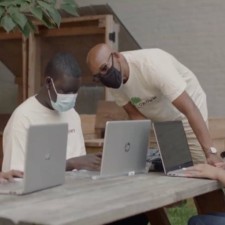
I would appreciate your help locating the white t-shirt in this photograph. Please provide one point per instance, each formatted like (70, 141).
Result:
(156, 79)
(32, 112)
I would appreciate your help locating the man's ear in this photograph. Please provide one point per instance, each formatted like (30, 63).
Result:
(116, 54)
(48, 82)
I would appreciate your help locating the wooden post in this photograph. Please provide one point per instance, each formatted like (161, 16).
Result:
(25, 67)
(158, 217)
(210, 202)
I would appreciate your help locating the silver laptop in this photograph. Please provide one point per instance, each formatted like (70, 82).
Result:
(125, 148)
(45, 160)
(173, 147)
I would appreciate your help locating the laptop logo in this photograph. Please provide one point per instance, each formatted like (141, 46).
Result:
(127, 147)
(47, 156)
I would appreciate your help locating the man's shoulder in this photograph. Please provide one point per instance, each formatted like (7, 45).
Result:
(28, 103)
(24, 109)
(144, 51)
(145, 55)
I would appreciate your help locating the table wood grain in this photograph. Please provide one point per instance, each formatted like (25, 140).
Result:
(84, 201)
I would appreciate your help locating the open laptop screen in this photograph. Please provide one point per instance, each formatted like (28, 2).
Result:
(173, 145)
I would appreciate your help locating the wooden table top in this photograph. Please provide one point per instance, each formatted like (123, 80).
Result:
(83, 201)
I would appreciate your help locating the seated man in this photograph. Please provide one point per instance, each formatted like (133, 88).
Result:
(215, 173)
(54, 103)
(8, 176)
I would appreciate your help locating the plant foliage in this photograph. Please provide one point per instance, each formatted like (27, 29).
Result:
(19, 14)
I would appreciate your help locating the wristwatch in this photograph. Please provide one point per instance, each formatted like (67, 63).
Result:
(213, 150)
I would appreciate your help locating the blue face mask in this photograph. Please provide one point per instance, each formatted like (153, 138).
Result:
(64, 102)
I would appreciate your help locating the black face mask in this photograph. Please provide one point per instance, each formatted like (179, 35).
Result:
(112, 79)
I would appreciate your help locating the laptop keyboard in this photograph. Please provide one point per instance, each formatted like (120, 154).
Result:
(178, 173)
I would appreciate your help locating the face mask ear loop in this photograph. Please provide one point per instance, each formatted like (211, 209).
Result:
(49, 94)
(112, 59)
(54, 86)
(120, 69)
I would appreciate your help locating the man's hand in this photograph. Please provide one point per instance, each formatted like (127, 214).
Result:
(220, 165)
(212, 159)
(8, 176)
(87, 162)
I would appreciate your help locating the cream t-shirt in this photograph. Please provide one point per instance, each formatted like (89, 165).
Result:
(156, 79)
(31, 112)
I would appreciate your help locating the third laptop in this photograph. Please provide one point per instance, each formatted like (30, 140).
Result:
(173, 147)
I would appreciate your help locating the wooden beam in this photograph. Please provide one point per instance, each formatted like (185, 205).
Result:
(10, 36)
(70, 31)
(77, 19)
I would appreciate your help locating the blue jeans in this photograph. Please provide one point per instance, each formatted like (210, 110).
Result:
(208, 219)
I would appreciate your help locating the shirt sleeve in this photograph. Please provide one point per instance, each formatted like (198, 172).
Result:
(120, 98)
(166, 77)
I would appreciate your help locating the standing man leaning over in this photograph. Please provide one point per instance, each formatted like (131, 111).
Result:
(54, 103)
(151, 83)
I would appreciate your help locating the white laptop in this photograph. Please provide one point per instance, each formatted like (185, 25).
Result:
(173, 147)
(125, 148)
(45, 160)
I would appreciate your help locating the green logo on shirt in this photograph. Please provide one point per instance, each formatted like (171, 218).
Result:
(135, 100)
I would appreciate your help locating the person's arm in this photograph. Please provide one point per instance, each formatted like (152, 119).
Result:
(133, 113)
(8, 176)
(206, 171)
(186, 105)
(87, 162)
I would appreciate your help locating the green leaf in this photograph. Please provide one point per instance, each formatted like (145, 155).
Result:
(70, 2)
(55, 17)
(24, 7)
(6, 3)
(46, 6)
(12, 9)
(37, 12)
(7, 23)
(47, 21)
(69, 9)
(19, 19)
(28, 28)
(18, 2)
(1, 11)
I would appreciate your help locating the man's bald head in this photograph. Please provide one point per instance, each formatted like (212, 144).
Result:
(97, 56)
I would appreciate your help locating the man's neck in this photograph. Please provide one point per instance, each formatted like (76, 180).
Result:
(42, 97)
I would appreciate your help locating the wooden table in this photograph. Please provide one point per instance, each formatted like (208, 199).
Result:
(83, 201)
